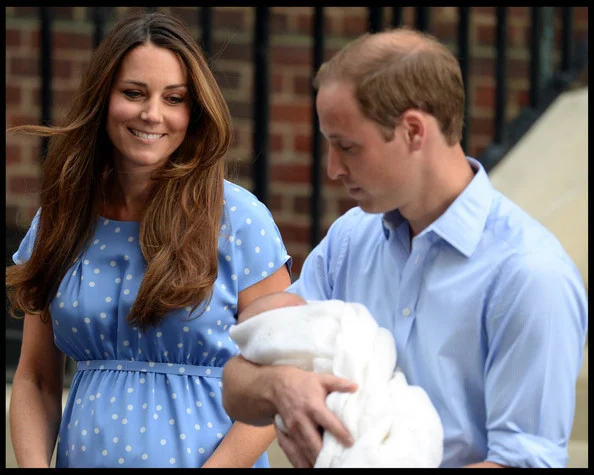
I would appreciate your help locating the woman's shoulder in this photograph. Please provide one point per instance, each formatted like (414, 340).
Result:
(239, 202)
(239, 196)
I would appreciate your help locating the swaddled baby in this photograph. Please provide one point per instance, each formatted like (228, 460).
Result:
(393, 424)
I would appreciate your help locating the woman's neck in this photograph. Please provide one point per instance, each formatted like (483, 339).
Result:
(126, 195)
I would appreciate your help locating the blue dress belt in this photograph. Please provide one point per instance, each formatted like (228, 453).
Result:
(150, 367)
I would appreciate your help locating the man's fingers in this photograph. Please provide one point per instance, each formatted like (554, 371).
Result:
(328, 420)
(311, 439)
(333, 383)
(291, 450)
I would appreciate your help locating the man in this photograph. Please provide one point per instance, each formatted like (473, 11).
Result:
(488, 312)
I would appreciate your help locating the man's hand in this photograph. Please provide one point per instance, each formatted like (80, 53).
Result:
(300, 397)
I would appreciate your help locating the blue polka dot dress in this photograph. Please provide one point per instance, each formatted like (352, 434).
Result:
(152, 399)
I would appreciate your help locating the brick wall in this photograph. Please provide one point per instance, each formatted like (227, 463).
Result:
(291, 106)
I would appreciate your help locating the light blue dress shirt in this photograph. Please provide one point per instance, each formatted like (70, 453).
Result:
(488, 312)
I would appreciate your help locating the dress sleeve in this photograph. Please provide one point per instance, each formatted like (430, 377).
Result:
(253, 242)
(25, 249)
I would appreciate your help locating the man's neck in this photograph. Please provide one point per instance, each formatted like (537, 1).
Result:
(445, 178)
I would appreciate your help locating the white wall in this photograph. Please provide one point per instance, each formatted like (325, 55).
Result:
(546, 173)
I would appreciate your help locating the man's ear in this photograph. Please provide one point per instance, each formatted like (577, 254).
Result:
(415, 128)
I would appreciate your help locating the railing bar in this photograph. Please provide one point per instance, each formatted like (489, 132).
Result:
(261, 103)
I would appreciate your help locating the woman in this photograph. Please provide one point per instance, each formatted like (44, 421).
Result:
(135, 266)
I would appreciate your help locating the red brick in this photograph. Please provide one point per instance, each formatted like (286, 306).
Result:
(62, 98)
(290, 173)
(345, 204)
(518, 68)
(483, 11)
(13, 37)
(63, 13)
(302, 85)
(483, 67)
(61, 68)
(26, 12)
(21, 119)
(275, 202)
(279, 23)
(22, 184)
(276, 142)
(13, 154)
(445, 30)
(519, 12)
(523, 98)
(294, 113)
(276, 81)
(229, 19)
(484, 96)
(25, 66)
(481, 126)
(240, 110)
(226, 79)
(485, 35)
(234, 51)
(305, 24)
(353, 25)
(290, 55)
(13, 95)
(67, 40)
(336, 184)
(293, 232)
(302, 143)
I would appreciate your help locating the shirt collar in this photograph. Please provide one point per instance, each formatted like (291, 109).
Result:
(462, 224)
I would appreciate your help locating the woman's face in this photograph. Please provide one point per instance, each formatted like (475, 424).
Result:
(149, 108)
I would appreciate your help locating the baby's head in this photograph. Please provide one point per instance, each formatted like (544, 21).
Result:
(270, 302)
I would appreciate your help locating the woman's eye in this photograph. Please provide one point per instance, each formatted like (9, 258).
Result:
(176, 100)
(132, 94)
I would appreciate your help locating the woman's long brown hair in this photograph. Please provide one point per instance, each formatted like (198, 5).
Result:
(178, 229)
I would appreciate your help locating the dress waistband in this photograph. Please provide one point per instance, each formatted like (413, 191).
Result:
(151, 367)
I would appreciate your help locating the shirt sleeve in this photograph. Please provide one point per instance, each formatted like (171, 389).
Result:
(23, 253)
(323, 264)
(253, 243)
(536, 332)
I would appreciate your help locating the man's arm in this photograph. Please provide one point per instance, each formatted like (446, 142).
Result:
(536, 328)
(255, 394)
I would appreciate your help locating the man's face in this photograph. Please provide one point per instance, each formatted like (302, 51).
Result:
(376, 173)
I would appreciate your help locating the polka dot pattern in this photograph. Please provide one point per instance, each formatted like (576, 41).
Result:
(152, 399)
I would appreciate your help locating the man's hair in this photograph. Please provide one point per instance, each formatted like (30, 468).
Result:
(400, 69)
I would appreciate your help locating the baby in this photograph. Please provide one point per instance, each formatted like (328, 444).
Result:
(393, 424)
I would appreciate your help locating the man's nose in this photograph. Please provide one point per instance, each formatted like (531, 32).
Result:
(335, 168)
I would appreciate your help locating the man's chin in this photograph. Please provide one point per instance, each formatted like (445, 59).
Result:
(370, 208)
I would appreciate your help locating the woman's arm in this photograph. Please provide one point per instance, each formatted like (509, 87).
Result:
(242, 446)
(36, 398)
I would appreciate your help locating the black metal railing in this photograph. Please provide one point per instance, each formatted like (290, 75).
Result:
(505, 133)
(543, 89)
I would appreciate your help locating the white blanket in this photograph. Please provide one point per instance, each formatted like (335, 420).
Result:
(393, 424)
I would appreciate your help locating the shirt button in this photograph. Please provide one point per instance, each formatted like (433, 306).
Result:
(406, 312)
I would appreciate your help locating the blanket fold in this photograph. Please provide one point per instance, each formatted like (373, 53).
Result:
(393, 424)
